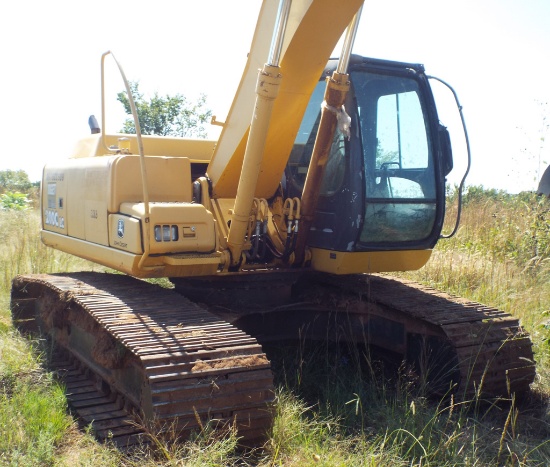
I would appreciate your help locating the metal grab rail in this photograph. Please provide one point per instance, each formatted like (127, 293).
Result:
(147, 233)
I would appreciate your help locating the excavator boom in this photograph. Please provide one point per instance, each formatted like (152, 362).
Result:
(312, 32)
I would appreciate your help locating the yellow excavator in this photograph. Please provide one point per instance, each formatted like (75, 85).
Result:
(326, 173)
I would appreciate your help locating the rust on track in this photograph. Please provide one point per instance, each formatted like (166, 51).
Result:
(153, 352)
(453, 344)
(488, 351)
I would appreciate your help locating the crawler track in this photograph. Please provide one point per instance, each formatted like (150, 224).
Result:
(480, 349)
(136, 348)
(453, 344)
(150, 351)
(96, 405)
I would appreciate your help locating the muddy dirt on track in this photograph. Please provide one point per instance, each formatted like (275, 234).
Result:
(136, 347)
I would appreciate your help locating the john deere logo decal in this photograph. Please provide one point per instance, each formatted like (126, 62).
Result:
(120, 228)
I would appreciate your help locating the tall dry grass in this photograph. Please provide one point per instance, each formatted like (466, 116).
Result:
(34, 423)
(335, 406)
(500, 257)
(22, 252)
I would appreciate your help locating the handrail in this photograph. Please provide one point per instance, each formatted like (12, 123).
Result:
(463, 181)
(147, 236)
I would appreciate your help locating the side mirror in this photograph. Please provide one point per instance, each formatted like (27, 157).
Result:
(446, 149)
(544, 185)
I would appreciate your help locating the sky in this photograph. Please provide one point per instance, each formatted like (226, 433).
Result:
(495, 53)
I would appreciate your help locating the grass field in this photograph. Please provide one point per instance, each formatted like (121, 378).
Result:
(336, 406)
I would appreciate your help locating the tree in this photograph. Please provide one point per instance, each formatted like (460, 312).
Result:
(166, 116)
(14, 180)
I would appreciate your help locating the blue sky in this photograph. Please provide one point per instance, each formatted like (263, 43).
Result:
(494, 52)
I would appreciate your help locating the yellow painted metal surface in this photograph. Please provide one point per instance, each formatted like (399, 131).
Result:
(196, 150)
(193, 224)
(337, 262)
(130, 240)
(93, 208)
(123, 261)
(308, 48)
(267, 89)
(239, 116)
(80, 193)
(93, 203)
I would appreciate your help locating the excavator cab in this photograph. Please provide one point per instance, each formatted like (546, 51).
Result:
(384, 185)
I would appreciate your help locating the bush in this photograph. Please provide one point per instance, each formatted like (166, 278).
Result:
(14, 201)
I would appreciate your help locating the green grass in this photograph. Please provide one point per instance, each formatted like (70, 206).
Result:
(32, 421)
(343, 408)
(501, 257)
(35, 426)
(33, 416)
(335, 405)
